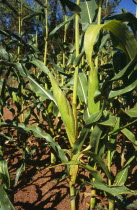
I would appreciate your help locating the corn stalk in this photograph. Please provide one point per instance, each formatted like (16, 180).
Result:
(46, 28)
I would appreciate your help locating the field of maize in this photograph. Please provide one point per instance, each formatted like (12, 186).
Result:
(68, 105)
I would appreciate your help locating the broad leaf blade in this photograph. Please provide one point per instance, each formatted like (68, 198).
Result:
(4, 173)
(132, 112)
(5, 203)
(65, 110)
(113, 190)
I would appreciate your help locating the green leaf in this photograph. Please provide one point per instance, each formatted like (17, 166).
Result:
(119, 31)
(11, 7)
(5, 203)
(77, 60)
(109, 122)
(71, 6)
(65, 110)
(18, 173)
(40, 134)
(88, 12)
(40, 3)
(58, 68)
(135, 1)
(130, 136)
(116, 126)
(93, 118)
(4, 173)
(41, 91)
(94, 173)
(34, 14)
(121, 176)
(61, 25)
(113, 190)
(125, 17)
(80, 141)
(126, 42)
(82, 87)
(99, 161)
(36, 87)
(3, 53)
(126, 70)
(132, 112)
(127, 89)
(40, 65)
(95, 138)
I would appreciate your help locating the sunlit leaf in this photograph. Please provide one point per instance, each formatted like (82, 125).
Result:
(4, 173)
(130, 136)
(5, 203)
(109, 122)
(3, 53)
(127, 89)
(80, 141)
(93, 118)
(18, 173)
(113, 190)
(132, 112)
(65, 110)
(99, 161)
(95, 138)
(41, 134)
(82, 87)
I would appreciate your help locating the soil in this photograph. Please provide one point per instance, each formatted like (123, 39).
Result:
(42, 188)
(38, 188)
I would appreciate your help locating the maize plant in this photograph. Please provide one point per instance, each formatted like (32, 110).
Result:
(77, 83)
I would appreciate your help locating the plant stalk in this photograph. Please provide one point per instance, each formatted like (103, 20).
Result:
(111, 202)
(99, 12)
(94, 75)
(72, 196)
(46, 37)
(76, 72)
(64, 40)
(20, 25)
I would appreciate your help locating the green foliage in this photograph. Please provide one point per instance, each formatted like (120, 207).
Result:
(85, 94)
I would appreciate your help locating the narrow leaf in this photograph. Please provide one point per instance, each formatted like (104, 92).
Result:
(99, 161)
(18, 173)
(130, 136)
(82, 87)
(40, 134)
(127, 69)
(61, 25)
(127, 89)
(80, 141)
